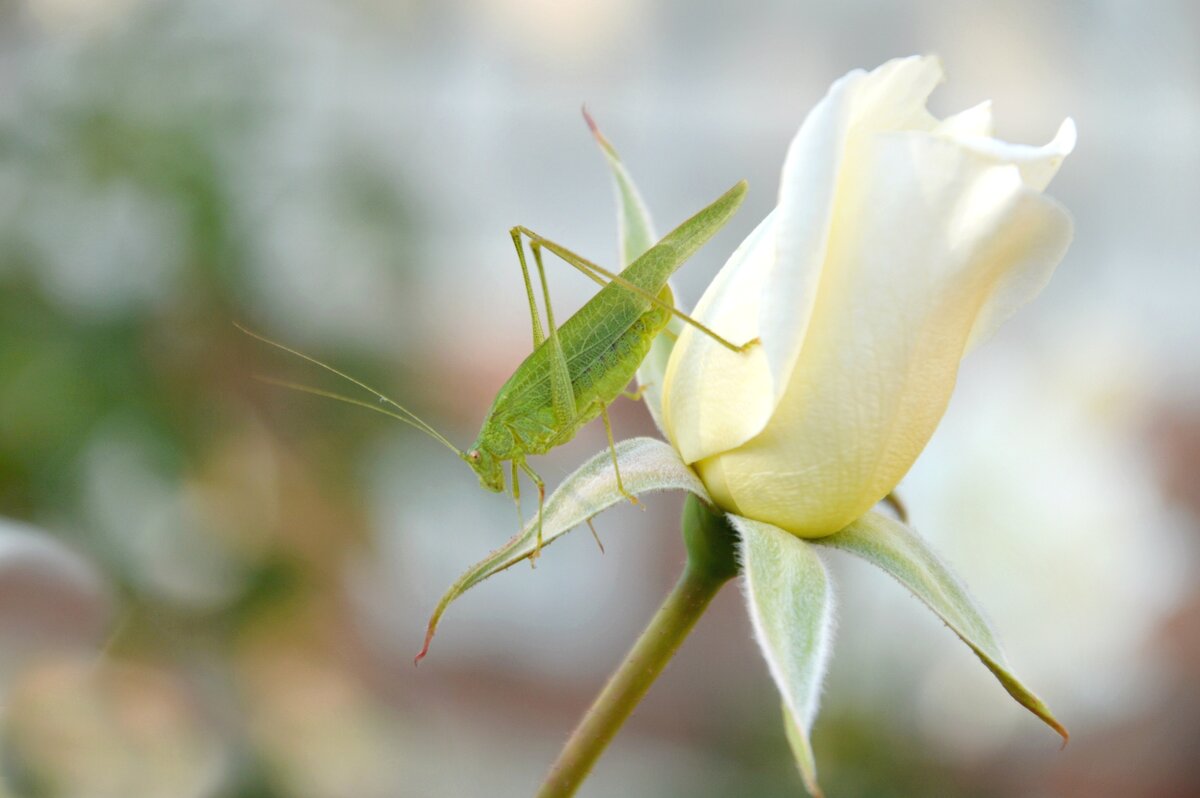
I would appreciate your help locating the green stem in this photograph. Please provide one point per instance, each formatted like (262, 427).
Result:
(710, 565)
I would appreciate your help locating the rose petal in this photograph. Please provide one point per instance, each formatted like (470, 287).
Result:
(937, 241)
(704, 408)
(1038, 165)
(757, 295)
(976, 121)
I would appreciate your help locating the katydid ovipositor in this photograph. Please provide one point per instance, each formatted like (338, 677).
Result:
(577, 370)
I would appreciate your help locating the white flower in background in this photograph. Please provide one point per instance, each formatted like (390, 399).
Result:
(56, 600)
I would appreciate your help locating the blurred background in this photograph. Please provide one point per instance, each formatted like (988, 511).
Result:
(212, 587)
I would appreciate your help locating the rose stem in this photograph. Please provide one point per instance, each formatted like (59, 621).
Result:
(710, 564)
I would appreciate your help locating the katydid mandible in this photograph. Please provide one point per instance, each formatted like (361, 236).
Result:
(576, 370)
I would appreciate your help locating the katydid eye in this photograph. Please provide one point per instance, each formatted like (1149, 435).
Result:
(473, 455)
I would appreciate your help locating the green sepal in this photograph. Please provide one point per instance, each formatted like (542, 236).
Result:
(635, 228)
(897, 549)
(635, 235)
(710, 540)
(802, 750)
(790, 601)
(647, 464)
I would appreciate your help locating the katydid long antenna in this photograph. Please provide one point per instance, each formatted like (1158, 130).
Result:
(399, 412)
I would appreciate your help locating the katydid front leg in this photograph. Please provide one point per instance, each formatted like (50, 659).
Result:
(541, 486)
(516, 494)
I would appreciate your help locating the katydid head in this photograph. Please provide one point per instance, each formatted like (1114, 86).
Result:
(485, 464)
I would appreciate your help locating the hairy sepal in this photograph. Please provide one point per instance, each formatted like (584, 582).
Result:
(790, 601)
(896, 548)
(647, 465)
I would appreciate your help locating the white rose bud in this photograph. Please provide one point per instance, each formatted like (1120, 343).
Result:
(899, 243)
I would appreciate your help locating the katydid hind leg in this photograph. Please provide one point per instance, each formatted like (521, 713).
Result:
(612, 447)
(562, 394)
(538, 336)
(536, 248)
(597, 272)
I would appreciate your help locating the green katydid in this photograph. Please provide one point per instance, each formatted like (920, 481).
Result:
(576, 370)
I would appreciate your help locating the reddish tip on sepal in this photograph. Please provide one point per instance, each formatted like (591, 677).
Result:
(424, 649)
(592, 126)
(591, 123)
(1062, 732)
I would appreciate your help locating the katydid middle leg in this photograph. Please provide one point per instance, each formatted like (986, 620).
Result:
(595, 535)
(612, 447)
(636, 394)
(894, 501)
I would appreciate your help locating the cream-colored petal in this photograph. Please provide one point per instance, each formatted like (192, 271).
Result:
(1038, 165)
(891, 97)
(712, 473)
(976, 122)
(1026, 278)
(1022, 283)
(715, 400)
(711, 395)
(927, 232)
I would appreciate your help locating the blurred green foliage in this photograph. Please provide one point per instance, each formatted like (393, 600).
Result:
(137, 186)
